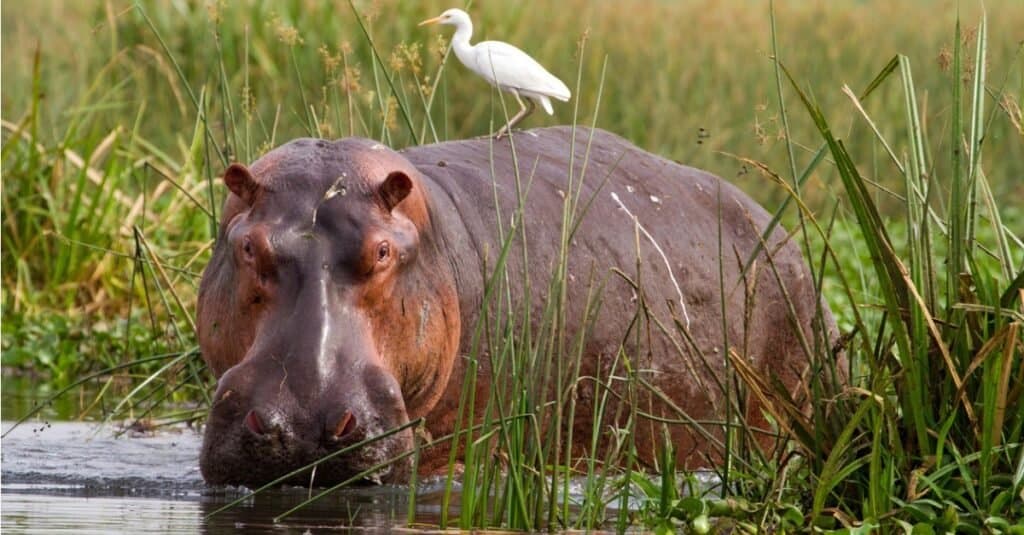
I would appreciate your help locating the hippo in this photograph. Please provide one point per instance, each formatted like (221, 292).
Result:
(347, 280)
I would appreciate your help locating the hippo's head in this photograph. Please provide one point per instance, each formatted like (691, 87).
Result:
(326, 312)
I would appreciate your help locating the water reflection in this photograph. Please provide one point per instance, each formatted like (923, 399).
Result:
(29, 512)
(370, 507)
(86, 478)
(22, 394)
(82, 478)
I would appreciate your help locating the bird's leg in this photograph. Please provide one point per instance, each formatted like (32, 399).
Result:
(524, 110)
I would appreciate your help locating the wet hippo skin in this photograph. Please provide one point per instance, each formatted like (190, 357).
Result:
(347, 280)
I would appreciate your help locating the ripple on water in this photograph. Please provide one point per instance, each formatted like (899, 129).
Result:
(83, 478)
(78, 477)
(95, 459)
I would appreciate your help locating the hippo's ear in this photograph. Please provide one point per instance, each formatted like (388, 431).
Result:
(394, 189)
(241, 182)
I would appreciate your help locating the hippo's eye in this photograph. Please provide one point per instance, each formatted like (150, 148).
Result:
(383, 251)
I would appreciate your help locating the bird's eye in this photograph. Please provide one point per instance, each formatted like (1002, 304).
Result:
(383, 251)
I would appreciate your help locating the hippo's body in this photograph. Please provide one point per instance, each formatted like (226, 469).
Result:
(347, 282)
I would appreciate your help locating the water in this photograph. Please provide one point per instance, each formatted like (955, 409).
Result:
(65, 477)
(84, 478)
(22, 394)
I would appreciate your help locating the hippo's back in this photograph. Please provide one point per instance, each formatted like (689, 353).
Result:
(661, 274)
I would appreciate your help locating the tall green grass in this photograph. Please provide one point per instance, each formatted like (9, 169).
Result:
(902, 194)
(935, 438)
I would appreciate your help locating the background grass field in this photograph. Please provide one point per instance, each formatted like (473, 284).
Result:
(117, 120)
(688, 80)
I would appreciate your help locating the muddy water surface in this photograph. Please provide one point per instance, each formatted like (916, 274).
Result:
(80, 478)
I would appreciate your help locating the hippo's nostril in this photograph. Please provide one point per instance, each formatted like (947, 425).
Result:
(345, 426)
(254, 423)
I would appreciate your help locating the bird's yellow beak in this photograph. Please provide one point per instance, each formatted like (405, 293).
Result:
(430, 21)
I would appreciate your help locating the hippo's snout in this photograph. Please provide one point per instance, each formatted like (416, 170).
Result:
(333, 434)
(343, 428)
(263, 427)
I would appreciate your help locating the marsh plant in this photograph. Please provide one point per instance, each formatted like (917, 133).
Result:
(908, 212)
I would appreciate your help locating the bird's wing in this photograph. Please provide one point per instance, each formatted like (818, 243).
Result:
(504, 65)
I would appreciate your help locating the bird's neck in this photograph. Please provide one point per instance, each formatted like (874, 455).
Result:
(460, 41)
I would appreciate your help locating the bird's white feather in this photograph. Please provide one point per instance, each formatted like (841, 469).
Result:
(545, 103)
(507, 67)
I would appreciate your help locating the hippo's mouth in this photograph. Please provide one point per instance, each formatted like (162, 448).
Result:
(241, 458)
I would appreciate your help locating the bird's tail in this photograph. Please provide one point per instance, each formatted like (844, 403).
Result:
(545, 103)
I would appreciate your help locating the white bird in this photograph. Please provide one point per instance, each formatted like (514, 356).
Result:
(503, 66)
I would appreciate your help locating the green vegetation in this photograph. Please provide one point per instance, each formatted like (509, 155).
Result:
(904, 191)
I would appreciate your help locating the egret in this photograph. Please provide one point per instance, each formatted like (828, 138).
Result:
(505, 67)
